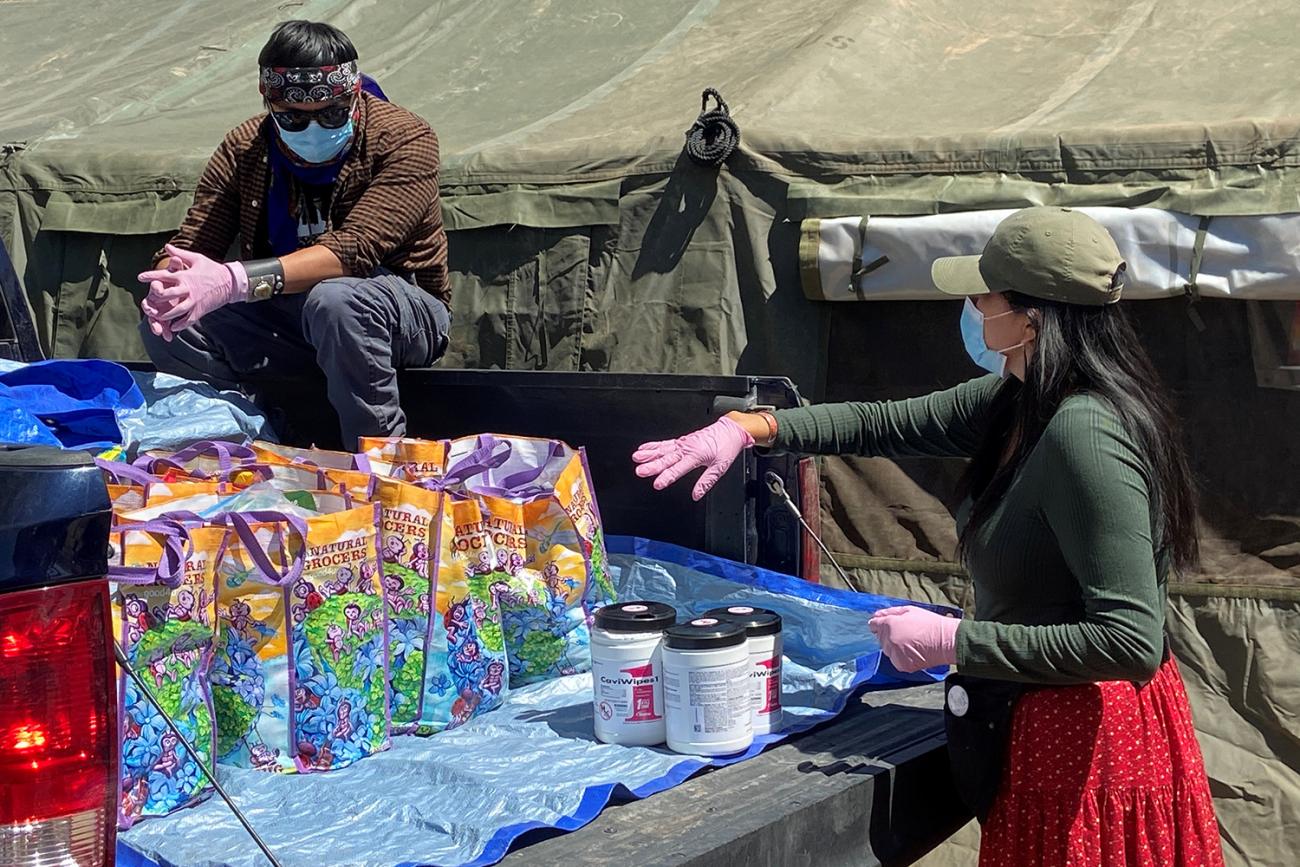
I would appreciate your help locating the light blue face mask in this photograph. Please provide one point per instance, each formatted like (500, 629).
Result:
(972, 335)
(316, 144)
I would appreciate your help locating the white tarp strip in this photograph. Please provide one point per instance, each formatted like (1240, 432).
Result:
(1256, 258)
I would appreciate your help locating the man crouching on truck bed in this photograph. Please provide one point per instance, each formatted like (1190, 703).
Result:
(341, 261)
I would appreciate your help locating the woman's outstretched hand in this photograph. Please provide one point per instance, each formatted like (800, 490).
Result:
(714, 448)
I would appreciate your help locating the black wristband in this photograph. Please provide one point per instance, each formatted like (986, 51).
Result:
(265, 278)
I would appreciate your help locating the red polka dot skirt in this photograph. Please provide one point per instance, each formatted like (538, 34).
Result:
(1104, 775)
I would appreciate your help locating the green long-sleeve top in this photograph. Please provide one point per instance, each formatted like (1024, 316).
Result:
(1067, 585)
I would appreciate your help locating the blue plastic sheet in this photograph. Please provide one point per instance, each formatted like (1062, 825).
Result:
(179, 412)
(115, 406)
(71, 404)
(462, 797)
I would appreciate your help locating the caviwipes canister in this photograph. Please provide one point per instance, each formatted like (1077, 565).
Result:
(763, 635)
(627, 672)
(706, 688)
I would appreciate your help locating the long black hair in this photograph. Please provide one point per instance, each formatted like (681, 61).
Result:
(1093, 350)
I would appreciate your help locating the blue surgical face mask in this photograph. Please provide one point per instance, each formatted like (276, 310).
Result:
(316, 144)
(972, 334)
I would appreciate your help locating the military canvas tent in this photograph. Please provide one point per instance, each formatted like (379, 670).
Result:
(874, 135)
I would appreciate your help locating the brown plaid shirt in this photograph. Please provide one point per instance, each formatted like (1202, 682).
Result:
(384, 210)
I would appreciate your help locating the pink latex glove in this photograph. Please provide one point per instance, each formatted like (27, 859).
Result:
(914, 638)
(190, 288)
(715, 448)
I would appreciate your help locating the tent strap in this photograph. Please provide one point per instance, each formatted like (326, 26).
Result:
(1190, 289)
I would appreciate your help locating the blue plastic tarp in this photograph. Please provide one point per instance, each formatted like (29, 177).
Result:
(179, 412)
(94, 404)
(72, 404)
(463, 796)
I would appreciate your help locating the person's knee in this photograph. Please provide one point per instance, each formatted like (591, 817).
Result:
(345, 313)
(159, 350)
(331, 301)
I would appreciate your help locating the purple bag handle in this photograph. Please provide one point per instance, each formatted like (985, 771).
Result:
(489, 453)
(262, 472)
(240, 522)
(501, 492)
(525, 477)
(520, 485)
(325, 485)
(305, 463)
(176, 550)
(225, 453)
(322, 480)
(360, 462)
(122, 473)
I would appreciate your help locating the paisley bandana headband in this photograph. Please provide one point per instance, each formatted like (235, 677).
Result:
(309, 83)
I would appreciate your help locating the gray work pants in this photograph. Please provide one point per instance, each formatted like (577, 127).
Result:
(357, 330)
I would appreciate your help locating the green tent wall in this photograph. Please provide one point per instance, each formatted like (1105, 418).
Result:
(581, 239)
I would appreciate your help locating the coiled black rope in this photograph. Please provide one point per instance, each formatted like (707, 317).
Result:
(714, 136)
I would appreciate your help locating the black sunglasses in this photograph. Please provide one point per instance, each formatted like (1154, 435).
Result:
(331, 116)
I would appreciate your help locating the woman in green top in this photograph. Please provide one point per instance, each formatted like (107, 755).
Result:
(1078, 502)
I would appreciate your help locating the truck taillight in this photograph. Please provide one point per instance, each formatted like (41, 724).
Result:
(58, 727)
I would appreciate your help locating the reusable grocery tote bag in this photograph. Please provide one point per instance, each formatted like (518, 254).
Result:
(132, 488)
(300, 679)
(408, 546)
(203, 460)
(240, 463)
(545, 636)
(408, 519)
(405, 458)
(274, 453)
(466, 668)
(164, 596)
(549, 551)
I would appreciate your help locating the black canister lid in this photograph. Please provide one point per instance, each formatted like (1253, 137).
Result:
(636, 617)
(757, 621)
(705, 633)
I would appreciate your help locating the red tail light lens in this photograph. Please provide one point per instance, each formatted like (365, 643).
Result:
(58, 727)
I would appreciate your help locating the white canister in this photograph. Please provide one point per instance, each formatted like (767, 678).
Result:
(627, 672)
(706, 688)
(763, 632)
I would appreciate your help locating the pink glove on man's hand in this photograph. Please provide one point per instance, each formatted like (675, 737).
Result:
(715, 448)
(190, 288)
(914, 638)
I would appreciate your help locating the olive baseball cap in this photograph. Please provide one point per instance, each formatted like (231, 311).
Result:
(1055, 254)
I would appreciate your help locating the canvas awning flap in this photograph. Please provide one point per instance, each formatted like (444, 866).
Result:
(889, 258)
